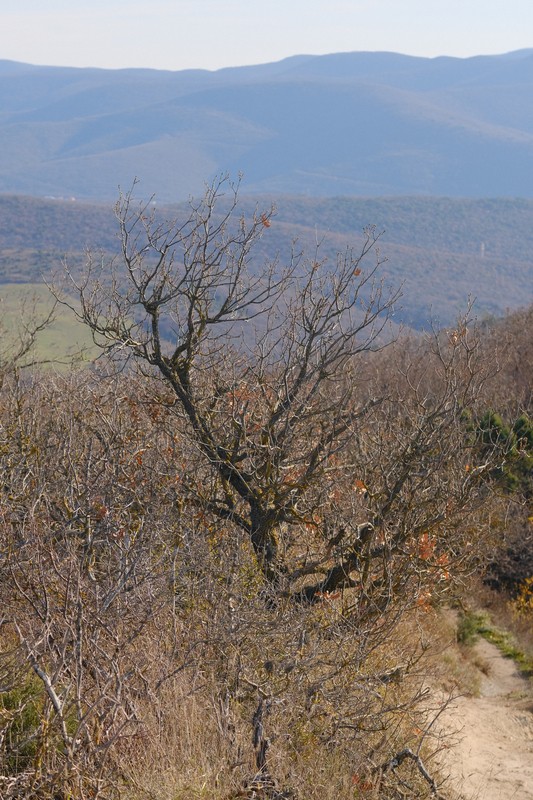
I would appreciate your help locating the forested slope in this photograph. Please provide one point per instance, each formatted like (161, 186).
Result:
(441, 250)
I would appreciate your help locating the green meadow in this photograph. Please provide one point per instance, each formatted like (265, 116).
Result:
(61, 343)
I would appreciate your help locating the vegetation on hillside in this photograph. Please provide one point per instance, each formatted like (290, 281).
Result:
(223, 547)
(442, 251)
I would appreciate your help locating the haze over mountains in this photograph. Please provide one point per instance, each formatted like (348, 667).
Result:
(437, 153)
(369, 124)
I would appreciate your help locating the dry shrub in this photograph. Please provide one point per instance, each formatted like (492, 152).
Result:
(150, 620)
(196, 739)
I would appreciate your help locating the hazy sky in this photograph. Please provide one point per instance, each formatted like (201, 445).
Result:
(182, 34)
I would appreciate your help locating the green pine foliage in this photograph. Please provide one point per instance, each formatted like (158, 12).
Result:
(513, 442)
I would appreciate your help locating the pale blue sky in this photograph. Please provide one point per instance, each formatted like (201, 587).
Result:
(182, 34)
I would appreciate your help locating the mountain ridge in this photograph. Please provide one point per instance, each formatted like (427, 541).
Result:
(361, 124)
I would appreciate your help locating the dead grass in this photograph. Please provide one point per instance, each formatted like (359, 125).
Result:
(185, 749)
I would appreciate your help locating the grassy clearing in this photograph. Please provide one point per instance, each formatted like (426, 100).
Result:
(61, 343)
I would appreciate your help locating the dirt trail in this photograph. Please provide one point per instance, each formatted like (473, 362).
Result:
(492, 758)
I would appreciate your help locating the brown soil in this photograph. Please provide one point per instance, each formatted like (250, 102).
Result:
(490, 746)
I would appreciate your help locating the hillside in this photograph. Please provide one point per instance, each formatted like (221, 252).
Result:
(224, 574)
(367, 124)
(441, 250)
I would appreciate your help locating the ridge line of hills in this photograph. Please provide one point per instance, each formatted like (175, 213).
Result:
(360, 124)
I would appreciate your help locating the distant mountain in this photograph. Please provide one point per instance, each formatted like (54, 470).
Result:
(369, 124)
(442, 251)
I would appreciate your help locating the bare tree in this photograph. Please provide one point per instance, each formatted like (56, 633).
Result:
(330, 473)
(261, 359)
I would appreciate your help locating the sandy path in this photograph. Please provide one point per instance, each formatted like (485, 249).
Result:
(492, 758)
